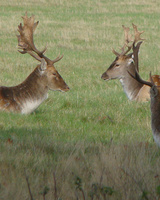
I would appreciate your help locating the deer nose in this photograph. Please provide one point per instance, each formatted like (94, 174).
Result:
(67, 88)
(104, 76)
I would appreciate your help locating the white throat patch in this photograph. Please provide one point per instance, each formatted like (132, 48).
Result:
(30, 105)
(128, 93)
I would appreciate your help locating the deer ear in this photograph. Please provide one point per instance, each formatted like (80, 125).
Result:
(43, 65)
(130, 60)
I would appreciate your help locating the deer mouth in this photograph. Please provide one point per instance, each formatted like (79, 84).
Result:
(64, 90)
(105, 77)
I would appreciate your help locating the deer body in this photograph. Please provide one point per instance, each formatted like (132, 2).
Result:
(17, 99)
(155, 108)
(128, 62)
(27, 96)
(134, 90)
(154, 86)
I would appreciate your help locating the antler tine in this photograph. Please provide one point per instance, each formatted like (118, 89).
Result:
(57, 59)
(35, 56)
(128, 39)
(137, 34)
(115, 52)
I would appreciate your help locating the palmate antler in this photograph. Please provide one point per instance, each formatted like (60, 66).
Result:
(130, 44)
(26, 42)
(136, 48)
(128, 39)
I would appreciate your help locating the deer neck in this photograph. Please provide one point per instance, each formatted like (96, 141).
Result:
(131, 86)
(31, 92)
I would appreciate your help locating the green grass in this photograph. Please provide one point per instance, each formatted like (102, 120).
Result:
(93, 131)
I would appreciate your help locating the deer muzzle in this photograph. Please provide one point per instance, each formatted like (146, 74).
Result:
(105, 76)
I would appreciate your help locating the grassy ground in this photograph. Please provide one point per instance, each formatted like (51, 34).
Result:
(90, 141)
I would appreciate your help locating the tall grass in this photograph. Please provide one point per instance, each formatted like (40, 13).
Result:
(91, 133)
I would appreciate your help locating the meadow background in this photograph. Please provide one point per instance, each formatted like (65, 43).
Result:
(91, 142)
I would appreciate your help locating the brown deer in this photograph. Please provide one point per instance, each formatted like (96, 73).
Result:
(128, 62)
(27, 96)
(154, 86)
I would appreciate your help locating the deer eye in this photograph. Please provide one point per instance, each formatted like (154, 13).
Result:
(54, 74)
(117, 65)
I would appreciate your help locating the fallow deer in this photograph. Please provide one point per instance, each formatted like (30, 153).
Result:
(27, 96)
(128, 62)
(154, 86)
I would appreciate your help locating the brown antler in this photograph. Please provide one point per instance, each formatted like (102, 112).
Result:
(128, 40)
(26, 42)
(137, 34)
(136, 48)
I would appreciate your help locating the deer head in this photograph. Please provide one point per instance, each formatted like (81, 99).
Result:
(49, 75)
(123, 61)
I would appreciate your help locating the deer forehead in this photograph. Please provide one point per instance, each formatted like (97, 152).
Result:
(124, 59)
(51, 69)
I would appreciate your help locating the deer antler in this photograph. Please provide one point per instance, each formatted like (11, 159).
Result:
(128, 39)
(140, 80)
(26, 42)
(137, 34)
(136, 48)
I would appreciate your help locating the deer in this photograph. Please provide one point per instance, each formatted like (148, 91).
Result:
(126, 61)
(154, 85)
(27, 96)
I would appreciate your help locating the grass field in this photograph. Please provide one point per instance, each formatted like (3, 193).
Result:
(91, 142)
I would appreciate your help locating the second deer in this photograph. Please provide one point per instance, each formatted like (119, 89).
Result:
(128, 62)
(154, 86)
(27, 96)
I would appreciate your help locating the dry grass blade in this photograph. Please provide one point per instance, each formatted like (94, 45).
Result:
(29, 189)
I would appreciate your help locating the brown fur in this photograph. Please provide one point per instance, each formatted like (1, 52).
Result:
(154, 85)
(125, 63)
(33, 90)
(27, 96)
